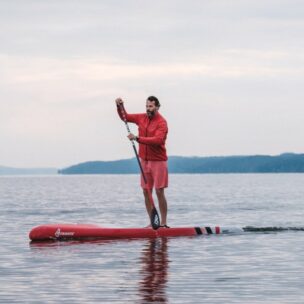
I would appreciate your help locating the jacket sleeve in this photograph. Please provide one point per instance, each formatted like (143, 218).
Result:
(134, 118)
(159, 138)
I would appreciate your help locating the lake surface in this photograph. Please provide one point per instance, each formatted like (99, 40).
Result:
(240, 268)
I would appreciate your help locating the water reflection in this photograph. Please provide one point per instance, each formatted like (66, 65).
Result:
(46, 245)
(154, 268)
(153, 264)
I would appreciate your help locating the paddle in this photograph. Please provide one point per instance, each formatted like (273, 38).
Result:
(155, 221)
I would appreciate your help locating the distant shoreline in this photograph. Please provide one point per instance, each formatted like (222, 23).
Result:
(27, 171)
(283, 163)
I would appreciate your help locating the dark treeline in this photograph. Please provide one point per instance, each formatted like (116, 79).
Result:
(284, 163)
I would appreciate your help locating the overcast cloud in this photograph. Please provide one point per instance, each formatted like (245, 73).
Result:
(229, 75)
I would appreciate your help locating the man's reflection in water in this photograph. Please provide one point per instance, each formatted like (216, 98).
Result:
(154, 261)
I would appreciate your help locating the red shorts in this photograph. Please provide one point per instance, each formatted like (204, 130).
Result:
(156, 173)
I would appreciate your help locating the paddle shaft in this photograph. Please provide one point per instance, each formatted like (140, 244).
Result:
(134, 148)
(155, 221)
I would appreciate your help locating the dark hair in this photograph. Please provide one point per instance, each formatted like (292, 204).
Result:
(156, 101)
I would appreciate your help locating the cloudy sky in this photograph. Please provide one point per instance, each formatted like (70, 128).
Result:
(229, 75)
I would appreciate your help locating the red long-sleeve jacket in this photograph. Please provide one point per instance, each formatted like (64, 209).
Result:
(152, 135)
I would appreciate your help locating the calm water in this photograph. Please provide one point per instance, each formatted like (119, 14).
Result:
(244, 268)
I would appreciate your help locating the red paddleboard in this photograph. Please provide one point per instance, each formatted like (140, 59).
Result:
(86, 231)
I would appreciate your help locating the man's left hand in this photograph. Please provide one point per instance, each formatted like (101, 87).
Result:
(132, 136)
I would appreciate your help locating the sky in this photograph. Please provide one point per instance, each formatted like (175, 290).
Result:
(228, 73)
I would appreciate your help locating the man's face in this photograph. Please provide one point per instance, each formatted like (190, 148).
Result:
(151, 109)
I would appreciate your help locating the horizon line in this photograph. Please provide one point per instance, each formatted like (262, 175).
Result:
(122, 159)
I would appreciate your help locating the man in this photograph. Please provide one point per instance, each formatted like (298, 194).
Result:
(152, 134)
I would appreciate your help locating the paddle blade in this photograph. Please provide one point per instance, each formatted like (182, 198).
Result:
(155, 221)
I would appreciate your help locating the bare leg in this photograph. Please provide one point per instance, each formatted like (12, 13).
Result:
(162, 205)
(147, 201)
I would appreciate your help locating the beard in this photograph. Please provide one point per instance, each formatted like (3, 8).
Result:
(150, 113)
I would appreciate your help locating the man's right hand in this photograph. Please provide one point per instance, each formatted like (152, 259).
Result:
(119, 101)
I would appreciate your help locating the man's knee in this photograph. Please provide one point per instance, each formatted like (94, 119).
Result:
(145, 192)
(160, 191)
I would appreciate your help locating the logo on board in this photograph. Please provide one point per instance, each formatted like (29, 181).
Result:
(60, 233)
